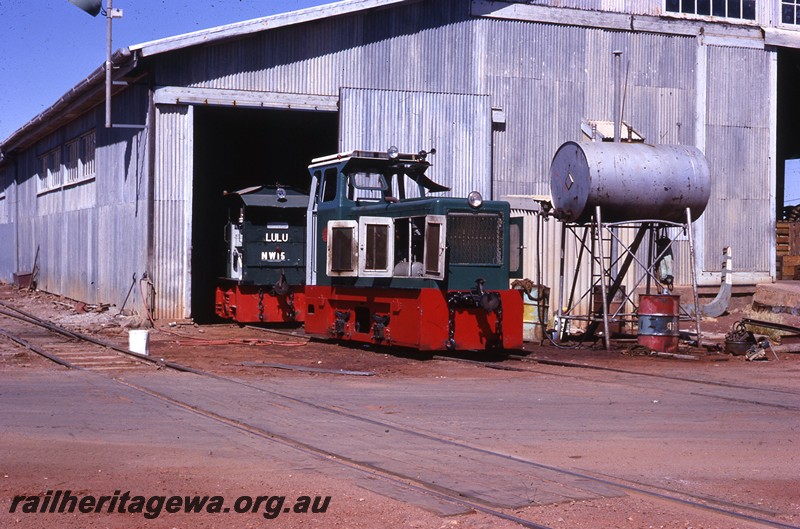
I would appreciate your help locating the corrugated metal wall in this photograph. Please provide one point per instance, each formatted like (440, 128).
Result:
(402, 48)
(459, 127)
(90, 236)
(549, 78)
(545, 78)
(637, 7)
(121, 213)
(174, 172)
(8, 232)
(738, 149)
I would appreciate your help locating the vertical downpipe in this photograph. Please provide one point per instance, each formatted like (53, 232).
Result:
(151, 189)
(603, 286)
(109, 19)
(616, 113)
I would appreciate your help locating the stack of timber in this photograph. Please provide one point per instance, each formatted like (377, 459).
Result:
(788, 250)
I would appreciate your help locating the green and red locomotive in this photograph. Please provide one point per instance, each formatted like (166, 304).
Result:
(387, 263)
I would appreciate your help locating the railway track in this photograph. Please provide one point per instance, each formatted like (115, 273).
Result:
(75, 350)
(38, 337)
(107, 360)
(525, 364)
(737, 511)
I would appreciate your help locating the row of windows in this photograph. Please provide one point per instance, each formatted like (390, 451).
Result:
(400, 247)
(68, 164)
(413, 246)
(740, 9)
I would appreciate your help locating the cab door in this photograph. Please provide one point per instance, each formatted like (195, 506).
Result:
(435, 246)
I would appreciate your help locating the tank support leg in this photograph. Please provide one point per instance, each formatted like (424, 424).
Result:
(693, 266)
(603, 289)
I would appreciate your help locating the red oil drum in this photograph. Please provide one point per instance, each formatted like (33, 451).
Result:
(658, 322)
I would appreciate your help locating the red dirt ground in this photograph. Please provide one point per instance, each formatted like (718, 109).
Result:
(31, 463)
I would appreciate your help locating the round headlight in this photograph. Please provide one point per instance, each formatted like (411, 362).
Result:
(393, 152)
(474, 199)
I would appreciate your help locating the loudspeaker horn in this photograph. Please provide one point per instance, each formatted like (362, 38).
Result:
(93, 7)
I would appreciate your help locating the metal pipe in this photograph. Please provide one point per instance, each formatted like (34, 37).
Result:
(603, 289)
(559, 316)
(693, 267)
(109, 18)
(651, 249)
(617, 115)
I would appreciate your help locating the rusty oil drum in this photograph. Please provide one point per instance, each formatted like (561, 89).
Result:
(658, 322)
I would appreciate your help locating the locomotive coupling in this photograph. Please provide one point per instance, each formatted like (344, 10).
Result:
(478, 297)
(281, 287)
(488, 301)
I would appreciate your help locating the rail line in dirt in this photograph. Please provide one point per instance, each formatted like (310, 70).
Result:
(75, 350)
(703, 503)
(114, 358)
(413, 485)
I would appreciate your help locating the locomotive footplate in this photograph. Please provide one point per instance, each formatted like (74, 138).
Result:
(423, 319)
(259, 304)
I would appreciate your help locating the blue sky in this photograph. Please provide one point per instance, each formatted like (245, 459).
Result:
(49, 46)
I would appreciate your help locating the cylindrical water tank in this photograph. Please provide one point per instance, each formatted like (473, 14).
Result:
(629, 181)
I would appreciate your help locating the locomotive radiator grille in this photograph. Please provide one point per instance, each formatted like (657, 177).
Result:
(475, 239)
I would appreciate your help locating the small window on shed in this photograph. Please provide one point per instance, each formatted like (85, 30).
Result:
(5, 182)
(86, 150)
(79, 159)
(71, 161)
(49, 171)
(790, 12)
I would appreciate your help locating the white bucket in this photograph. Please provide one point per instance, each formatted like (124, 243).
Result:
(139, 341)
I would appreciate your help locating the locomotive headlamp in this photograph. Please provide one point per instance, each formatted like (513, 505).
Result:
(393, 152)
(475, 200)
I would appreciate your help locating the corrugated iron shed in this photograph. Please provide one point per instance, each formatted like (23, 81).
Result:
(499, 85)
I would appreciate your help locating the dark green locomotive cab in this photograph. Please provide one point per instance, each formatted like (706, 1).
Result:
(266, 235)
(392, 264)
(375, 222)
(266, 256)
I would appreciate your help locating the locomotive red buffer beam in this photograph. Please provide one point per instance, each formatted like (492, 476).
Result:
(259, 304)
(423, 319)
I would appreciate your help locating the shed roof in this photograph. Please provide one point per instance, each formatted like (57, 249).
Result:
(90, 92)
(248, 27)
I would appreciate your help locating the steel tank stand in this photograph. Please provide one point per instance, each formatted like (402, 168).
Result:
(614, 263)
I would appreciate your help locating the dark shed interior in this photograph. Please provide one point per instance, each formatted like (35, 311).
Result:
(238, 148)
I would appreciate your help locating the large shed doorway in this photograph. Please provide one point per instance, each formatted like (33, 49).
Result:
(788, 188)
(237, 148)
(787, 243)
